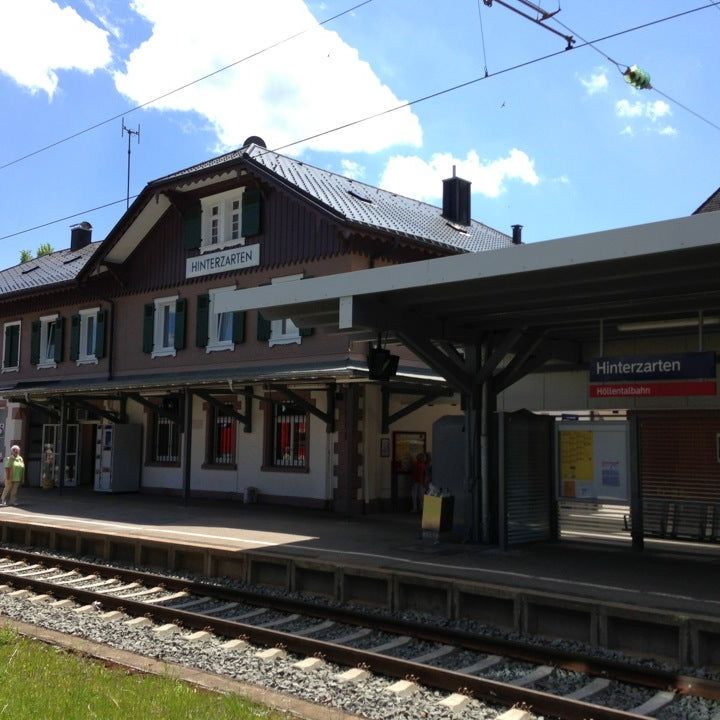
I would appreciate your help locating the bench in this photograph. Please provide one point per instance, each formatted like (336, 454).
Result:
(680, 519)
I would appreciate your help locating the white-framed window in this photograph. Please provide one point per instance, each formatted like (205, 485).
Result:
(220, 325)
(164, 327)
(88, 336)
(284, 332)
(11, 347)
(222, 220)
(49, 336)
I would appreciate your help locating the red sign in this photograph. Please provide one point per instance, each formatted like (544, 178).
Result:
(654, 389)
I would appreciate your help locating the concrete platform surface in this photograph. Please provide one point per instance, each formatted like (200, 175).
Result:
(675, 577)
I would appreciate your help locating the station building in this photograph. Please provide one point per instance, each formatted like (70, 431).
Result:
(235, 337)
(120, 374)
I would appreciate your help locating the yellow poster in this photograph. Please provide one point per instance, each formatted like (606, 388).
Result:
(576, 455)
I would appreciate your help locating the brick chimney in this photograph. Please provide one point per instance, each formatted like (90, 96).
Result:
(80, 235)
(456, 200)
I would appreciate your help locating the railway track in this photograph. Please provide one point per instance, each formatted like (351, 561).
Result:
(462, 664)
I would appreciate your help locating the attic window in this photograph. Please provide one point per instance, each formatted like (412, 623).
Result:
(72, 259)
(359, 196)
(458, 228)
(30, 269)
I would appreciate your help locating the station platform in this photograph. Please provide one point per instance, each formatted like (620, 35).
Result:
(674, 577)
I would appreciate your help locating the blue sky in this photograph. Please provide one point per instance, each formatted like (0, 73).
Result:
(562, 146)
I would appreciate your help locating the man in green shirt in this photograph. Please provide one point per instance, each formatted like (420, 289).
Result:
(14, 475)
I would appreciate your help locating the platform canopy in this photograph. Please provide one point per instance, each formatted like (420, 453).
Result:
(534, 302)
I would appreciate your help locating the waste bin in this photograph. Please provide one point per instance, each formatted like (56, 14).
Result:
(437, 514)
(250, 495)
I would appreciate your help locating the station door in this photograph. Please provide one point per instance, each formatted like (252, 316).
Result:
(526, 501)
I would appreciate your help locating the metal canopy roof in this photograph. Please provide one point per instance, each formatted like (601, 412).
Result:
(561, 286)
(525, 304)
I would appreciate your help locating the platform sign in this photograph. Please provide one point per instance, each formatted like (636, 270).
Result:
(668, 375)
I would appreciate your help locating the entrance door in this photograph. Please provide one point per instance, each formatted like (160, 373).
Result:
(50, 462)
(86, 473)
(406, 447)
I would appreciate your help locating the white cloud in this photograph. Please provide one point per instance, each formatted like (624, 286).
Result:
(300, 88)
(624, 108)
(653, 111)
(649, 112)
(657, 109)
(597, 82)
(418, 178)
(38, 38)
(102, 13)
(352, 169)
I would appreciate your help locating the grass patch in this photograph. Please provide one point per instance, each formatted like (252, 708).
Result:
(38, 681)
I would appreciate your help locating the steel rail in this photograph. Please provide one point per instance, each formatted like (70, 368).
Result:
(448, 680)
(515, 650)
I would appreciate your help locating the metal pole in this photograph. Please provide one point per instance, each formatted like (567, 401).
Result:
(130, 133)
(63, 444)
(484, 464)
(700, 330)
(187, 455)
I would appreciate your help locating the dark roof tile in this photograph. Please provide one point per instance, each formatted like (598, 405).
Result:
(58, 267)
(711, 204)
(360, 203)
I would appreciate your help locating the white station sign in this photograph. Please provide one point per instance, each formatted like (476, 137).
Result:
(226, 261)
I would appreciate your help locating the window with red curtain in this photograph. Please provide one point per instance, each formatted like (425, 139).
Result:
(289, 435)
(221, 438)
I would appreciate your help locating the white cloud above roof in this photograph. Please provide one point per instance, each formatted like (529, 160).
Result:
(597, 82)
(648, 111)
(38, 38)
(268, 95)
(414, 177)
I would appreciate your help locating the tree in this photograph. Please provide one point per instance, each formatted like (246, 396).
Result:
(45, 249)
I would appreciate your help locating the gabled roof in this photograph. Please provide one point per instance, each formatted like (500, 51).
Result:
(355, 202)
(45, 272)
(711, 204)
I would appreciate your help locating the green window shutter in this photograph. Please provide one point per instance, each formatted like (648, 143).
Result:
(15, 345)
(148, 327)
(191, 232)
(264, 328)
(202, 320)
(239, 326)
(306, 332)
(35, 342)
(251, 212)
(59, 338)
(11, 351)
(180, 313)
(101, 321)
(75, 337)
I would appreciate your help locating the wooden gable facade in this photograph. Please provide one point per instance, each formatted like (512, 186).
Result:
(151, 390)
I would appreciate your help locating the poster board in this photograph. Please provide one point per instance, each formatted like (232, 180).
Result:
(593, 460)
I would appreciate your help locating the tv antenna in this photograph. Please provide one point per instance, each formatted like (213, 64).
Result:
(130, 133)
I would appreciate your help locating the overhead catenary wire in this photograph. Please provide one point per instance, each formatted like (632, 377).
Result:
(482, 38)
(430, 96)
(714, 3)
(623, 67)
(182, 87)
